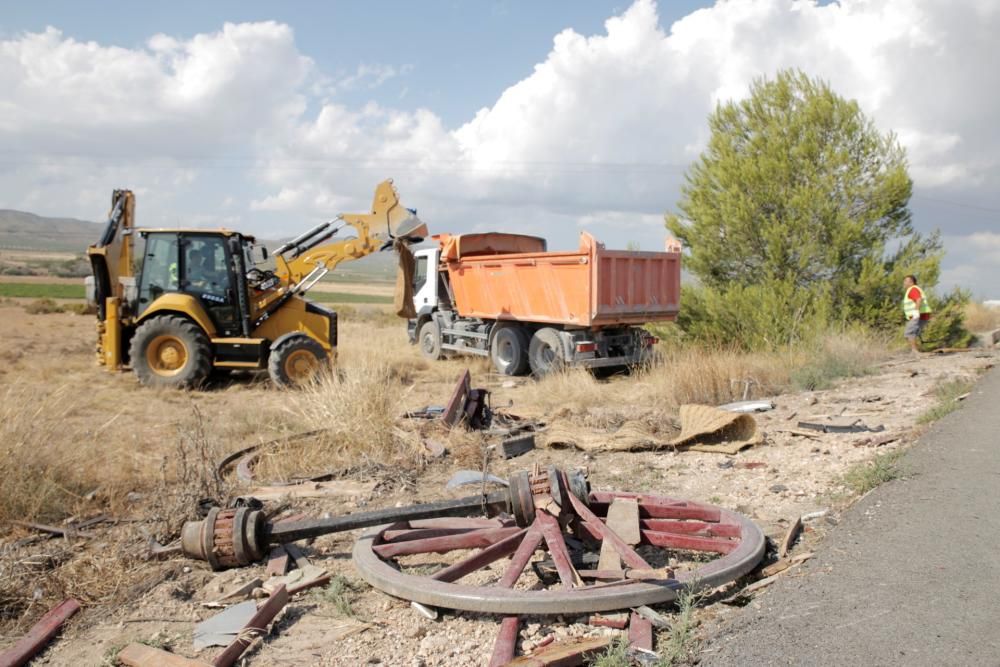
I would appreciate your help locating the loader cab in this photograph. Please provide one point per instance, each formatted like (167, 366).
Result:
(200, 264)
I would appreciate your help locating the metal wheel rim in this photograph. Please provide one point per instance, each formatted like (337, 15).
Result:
(166, 355)
(490, 599)
(505, 350)
(427, 342)
(300, 365)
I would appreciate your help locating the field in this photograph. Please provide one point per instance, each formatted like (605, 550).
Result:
(77, 441)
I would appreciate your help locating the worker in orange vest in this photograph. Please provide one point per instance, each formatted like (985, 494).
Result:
(916, 309)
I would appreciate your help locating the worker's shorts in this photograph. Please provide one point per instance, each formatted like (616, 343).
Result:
(914, 328)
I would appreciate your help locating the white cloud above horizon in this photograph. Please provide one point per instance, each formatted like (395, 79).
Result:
(598, 135)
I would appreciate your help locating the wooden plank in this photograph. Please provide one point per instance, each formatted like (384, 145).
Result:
(277, 562)
(256, 627)
(40, 634)
(564, 653)
(793, 532)
(640, 632)
(623, 518)
(140, 655)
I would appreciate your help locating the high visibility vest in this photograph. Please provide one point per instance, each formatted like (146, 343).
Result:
(910, 306)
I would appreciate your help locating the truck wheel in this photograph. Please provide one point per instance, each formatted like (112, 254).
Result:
(509, 351)
(545, 354)
(429, 340)
(170, 351)
(295, 361)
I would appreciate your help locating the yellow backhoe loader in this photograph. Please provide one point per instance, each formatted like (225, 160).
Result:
(173, 304)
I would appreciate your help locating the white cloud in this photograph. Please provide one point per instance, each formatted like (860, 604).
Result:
(598, 134)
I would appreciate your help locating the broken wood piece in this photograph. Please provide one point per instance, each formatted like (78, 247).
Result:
(295, 552)
(797, 432)
(40, 634)
(877, 442)
(517, 446)
(241, 591)
(338, 488)
(141, 655)
(298, 580)
(793, 532)
(658, 620)
(563, 653)
(616, 621)
(53, 530)
(767, 581)
(256, 627)
(623, 519)
(277, 561)
(640, 632)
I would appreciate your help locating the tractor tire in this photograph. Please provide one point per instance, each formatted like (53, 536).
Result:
(429, 340)
(509, 350)
(295, 361)
(545, 353)
(170, 351)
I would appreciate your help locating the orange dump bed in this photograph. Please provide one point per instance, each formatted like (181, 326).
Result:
(493, 277)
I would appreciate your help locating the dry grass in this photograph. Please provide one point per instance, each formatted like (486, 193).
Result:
(979, 317)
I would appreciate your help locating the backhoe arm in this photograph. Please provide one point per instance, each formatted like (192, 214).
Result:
(301, 263)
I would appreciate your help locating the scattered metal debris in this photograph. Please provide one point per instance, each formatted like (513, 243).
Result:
(465, 477)
(854, 427)
(221, 629)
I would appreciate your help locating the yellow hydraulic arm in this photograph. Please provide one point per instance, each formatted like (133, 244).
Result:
(302, 262)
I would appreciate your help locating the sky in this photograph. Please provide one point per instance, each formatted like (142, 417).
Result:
(540, 117)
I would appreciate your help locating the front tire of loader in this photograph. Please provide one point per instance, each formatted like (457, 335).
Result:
(170, 351)
(509, 351)
(429, 340)
(296, 361)
(545, 353)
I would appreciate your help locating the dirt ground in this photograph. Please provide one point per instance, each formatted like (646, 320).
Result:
(793, 472)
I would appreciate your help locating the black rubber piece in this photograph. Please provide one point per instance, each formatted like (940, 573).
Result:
(276, 362)
(429, 340)
(515, 340)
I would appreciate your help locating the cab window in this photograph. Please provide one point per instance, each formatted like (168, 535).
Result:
(420, 273)
(159, 268)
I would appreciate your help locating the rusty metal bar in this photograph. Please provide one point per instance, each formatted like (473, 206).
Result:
(299, 530)
(503, 649)
(707, 529)
(719, 545)
(653, 507)
(40, 634)
(640, 632)
(549, 526)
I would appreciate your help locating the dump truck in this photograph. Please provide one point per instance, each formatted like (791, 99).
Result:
(504, 296)
(175, 304)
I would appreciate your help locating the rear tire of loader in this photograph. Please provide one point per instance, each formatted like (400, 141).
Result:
(170, 351)
(509, 350)
(545, 353)
(296, 361)
(429, 340)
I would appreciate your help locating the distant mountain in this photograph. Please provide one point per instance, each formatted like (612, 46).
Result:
(27, 231)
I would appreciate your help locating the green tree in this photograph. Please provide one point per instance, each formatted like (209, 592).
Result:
(796, 216)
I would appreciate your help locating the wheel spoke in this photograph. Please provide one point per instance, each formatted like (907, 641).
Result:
(694, 527)
(471, 540)
(592, 523)
(482, 558)
(549, 527)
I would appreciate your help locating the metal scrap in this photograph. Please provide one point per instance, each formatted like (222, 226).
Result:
(854, 427)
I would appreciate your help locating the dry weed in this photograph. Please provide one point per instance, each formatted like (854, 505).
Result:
(980, 317)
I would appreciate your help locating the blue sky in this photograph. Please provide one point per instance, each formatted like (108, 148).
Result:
(548, 117)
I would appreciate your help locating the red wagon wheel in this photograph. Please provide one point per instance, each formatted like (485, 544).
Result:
(426, 561)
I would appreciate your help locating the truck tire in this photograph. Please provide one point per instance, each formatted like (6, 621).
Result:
(295, 361)
(509, 350)
(545, 353)
(429, 340)
(170, 351)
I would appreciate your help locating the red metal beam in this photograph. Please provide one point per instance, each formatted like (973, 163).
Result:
(408, 534)
(472, 540)
(481, 558)
(552, 533)
(503, 649)
(40, 634)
